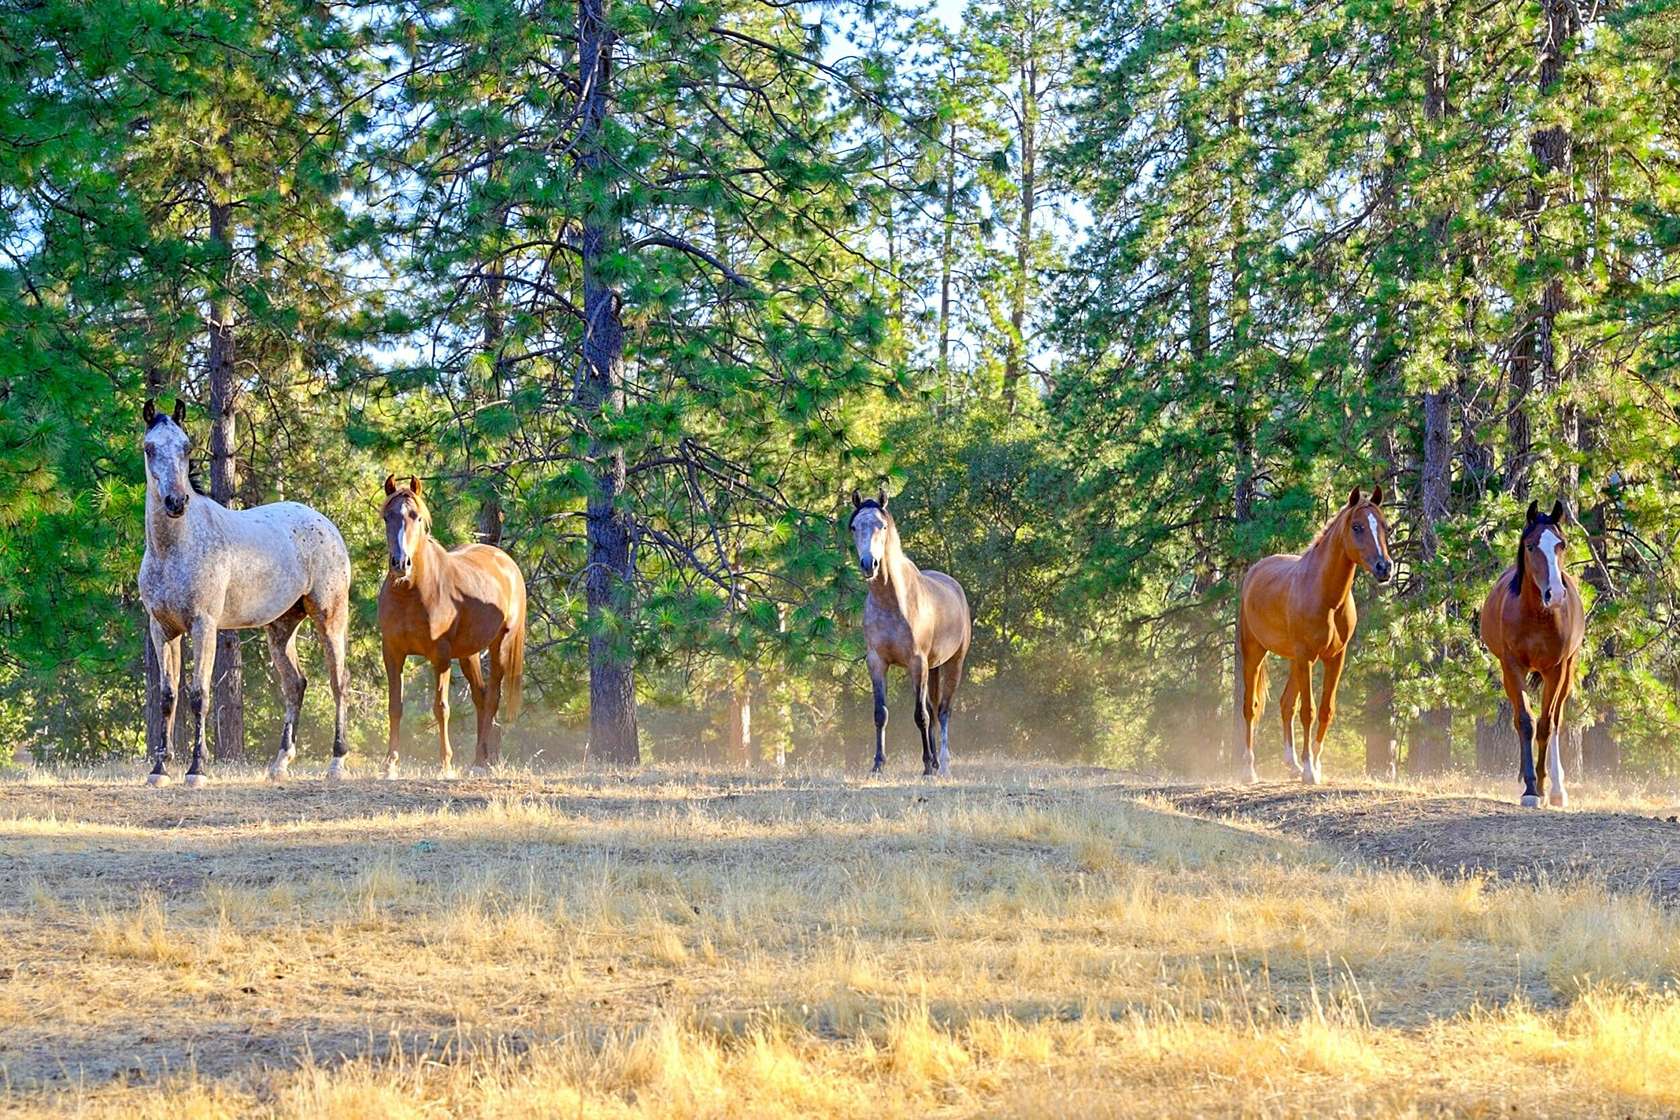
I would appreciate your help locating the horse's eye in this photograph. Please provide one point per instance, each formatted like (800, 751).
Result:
(1359, 530)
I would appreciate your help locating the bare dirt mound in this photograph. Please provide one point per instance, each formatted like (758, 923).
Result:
(1447, 835)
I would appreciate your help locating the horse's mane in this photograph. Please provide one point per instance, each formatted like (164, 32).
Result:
(1325, 532)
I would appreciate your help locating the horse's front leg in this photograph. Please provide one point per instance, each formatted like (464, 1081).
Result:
(878, 679)
(198, 695)
(1524, 723)
(1326, 710)
(474, 672)
(393, 709)
(924, 714)
(168, 652)
(440, 711)
(1554, 689)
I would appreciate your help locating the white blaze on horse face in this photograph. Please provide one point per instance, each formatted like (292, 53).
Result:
(1550, 542)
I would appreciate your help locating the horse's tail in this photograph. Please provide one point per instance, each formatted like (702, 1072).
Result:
(513, 672)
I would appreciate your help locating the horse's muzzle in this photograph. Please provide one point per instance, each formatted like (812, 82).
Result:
(1383, 570)
(870, 568)
(402, 565)
(174, 505)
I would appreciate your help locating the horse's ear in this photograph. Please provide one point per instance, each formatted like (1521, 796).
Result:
(857, 500)
(414, 485)
(1533, 512)
(390, 484)
(180, 411)
(149, 413)
(1353, 498)
(1376, 496)
(1559, 512)
(883, 498)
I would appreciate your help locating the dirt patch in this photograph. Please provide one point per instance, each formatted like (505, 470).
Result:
(1626, 852)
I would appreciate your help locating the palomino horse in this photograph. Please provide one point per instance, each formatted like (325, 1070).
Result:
(1301, 608)
(916, 619)
(1533, 623)
(449, 604)
(210, 568)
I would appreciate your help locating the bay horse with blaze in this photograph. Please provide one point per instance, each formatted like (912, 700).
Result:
(449, 604)
(1533, 624)
(209, 568)
(915, 619)
(1301, 608)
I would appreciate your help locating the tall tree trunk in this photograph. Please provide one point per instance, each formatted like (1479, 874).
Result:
(608, 589)
(154, 671)
(1242, 422)
(228, 688)
(1380, 760)
(740, 721)
(1015, 358)
(1432, 747)
(947, 264)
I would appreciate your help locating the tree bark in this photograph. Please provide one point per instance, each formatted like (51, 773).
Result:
(1380, 755)
(740, 722)
(1015, 357)
(228, 688)
(947, 265)
(613, 737)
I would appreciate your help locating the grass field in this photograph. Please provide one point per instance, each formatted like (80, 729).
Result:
(1011, 942)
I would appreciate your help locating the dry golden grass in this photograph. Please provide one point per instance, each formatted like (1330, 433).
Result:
(1013, 942)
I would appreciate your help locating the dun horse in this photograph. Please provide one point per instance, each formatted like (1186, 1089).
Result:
(449, 604)
(210, 568)
(1301, 608)
(1533, 623)
(916, 619)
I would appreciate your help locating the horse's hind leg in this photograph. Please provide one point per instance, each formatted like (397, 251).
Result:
(440, 710)
(924, 712)
(878, 679)
(948, 676)
(1302, 676)
(169, 685)
(1251, 687)
(474, 672)
(332, 622)
(282, 648)
(1291, 705)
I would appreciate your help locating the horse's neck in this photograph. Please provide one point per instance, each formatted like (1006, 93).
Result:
(1328, 568)
(430, 574)
(172, 536)
(896, 586)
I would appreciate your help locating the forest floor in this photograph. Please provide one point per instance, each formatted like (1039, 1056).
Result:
(1012, 941)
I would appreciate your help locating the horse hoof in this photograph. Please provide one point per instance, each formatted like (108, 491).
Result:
(197, 781)
(276, 773)
(157, 781)
(391, 772)
(1253, 778)
(1559, 799)
(1531, 801)
(1310, 777)
(335, 770)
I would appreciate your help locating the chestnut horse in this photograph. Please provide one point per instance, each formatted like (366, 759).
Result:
(449, 604)
(1533, 623)
(1301, 608)
(916, 619)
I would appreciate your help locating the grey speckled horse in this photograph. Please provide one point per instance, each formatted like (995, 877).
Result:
(210, 568)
